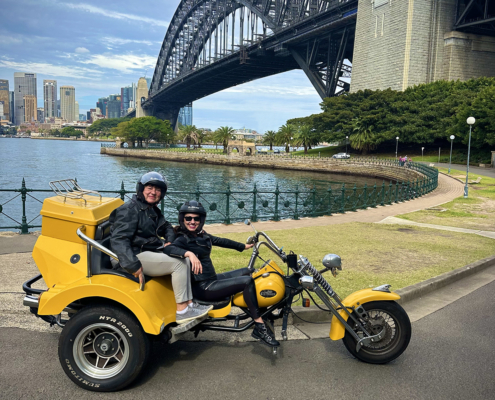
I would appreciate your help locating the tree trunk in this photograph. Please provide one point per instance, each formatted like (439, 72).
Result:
(305, 149)
(271, 146)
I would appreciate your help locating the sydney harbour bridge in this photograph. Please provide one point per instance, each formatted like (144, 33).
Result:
(211, 45)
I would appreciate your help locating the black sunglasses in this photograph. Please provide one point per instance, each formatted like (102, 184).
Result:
(197, 219)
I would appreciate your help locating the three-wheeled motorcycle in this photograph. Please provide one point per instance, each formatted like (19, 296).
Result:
(108, 317)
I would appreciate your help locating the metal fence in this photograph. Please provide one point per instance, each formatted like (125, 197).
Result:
(229, 206)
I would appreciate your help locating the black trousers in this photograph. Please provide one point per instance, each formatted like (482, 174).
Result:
(228, 284)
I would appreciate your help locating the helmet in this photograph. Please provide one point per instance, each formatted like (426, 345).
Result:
(192, 207)
(151, 178)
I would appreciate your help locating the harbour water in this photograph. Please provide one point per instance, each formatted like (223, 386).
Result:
(42, 161)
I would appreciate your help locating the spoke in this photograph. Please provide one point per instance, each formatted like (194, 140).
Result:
(106, 362)
(90, 352)
(119, 356)
(97, 360)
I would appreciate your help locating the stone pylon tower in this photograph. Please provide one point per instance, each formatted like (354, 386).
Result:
(400, 43)
(141, 95)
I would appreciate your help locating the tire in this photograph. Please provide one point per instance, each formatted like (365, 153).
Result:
(392, 317)
(89, 356)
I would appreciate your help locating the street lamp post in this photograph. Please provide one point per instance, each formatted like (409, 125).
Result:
(346, 139)
(422, 148)
(470, 121)
(396, 146)
(452, 137)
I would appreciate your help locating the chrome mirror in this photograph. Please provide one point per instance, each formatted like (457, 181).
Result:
(332, 262)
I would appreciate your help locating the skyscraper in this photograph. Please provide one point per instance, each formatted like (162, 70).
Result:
(30, 108)
(50, 98)
(4, 98)
(126, 99)
(102, 105)
(67, 102)
(113, 106)
(24, 84)
(76, 112)
(11, 107)
(185, 115)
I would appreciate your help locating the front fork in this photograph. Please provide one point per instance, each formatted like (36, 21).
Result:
(324, 291)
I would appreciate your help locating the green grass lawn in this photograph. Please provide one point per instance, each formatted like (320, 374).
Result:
(475, 212)
(371, 254)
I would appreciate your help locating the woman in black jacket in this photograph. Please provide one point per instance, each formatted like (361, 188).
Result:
(139, 233)
(194, 243)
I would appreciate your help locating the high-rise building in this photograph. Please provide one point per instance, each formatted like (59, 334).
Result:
(67, 102)
(88, 115)
(11, 107)
(185, 115)
(102, 105)
(113, 106)
(41, 114)
(30, 108)
(76, 112)
(4, 99)
(50, 98)
(2, 116)
(24, 84)
(126, 99)
(82, 117)
(148, 83)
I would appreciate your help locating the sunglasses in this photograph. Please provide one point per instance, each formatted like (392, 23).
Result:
(196, 219)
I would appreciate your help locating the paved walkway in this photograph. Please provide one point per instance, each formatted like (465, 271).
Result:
(462, 167)
(448, 189)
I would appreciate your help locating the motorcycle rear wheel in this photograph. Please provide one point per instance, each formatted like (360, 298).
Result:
(390, 316)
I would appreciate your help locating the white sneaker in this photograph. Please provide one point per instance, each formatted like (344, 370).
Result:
(189, 315)
(200, 306)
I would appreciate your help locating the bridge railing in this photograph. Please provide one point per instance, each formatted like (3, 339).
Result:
(228, 206)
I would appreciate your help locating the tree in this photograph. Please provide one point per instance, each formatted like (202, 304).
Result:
(144, 129)
(223, 135)
(285, 135)
(188, 134)
(362, 137)
(306, 137)
(270, 137)
(70, 131)
(102, 127)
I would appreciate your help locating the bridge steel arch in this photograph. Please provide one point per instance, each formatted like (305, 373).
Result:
(236, 41)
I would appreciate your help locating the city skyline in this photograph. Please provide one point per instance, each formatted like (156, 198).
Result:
(101, 49)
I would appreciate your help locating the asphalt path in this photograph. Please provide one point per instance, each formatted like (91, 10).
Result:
(451, 356)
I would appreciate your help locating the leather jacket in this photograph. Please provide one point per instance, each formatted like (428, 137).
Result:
(137, 226)
(201, 246)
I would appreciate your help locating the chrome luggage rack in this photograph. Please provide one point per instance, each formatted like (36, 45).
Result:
(68, 188)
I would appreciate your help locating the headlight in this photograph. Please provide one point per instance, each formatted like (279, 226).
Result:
(307, 282)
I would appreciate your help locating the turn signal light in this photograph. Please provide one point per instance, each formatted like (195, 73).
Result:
(305, 302)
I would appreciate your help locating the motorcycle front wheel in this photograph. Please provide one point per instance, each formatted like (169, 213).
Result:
(387, 317)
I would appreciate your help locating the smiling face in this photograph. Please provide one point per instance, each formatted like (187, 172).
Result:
(192, 221)
(152, 194)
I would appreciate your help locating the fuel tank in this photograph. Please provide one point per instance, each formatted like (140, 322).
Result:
(270, 287)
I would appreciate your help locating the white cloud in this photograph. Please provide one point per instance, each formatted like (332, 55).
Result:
(274, 90)
(122, 62)
(120, 41)
(82, 50)
(5, 40)
(51, 69)
(116, 15)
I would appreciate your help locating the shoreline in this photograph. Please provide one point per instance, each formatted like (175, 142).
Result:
(377, 169)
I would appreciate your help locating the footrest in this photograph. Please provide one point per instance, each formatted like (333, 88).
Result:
(217, 304)
(179, 330)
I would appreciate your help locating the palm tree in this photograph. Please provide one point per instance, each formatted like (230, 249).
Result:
(285, 135)
(305, 137)
(270, 137)
(362, 137)
(223, 135)
(188, 134)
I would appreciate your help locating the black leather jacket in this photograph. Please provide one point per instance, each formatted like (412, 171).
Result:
(136, 227)
(201, 246)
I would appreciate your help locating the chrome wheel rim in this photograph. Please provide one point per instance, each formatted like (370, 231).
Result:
(101, 351)
(386, 323)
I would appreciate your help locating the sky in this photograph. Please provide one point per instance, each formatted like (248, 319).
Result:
(99, 47)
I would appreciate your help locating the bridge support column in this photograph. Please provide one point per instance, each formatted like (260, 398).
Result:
(468, 56)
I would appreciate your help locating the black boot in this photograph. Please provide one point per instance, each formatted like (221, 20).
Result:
(260, 332)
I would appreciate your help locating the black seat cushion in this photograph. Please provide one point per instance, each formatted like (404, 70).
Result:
(217, 304)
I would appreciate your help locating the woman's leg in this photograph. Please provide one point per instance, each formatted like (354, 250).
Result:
(234, 273)
(158, 264)
(219, 289)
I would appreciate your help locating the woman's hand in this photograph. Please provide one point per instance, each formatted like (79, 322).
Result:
(196, 266)
(139, 274)
(248, 246)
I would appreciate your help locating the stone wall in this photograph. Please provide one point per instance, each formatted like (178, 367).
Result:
(468, 56)
(365, 167)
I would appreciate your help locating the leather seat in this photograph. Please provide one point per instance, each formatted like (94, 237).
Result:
(217, 304)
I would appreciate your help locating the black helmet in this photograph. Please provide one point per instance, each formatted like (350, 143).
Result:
(151, 178)
(192, 207)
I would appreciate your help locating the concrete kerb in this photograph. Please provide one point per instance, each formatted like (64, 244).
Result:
(408, 293)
